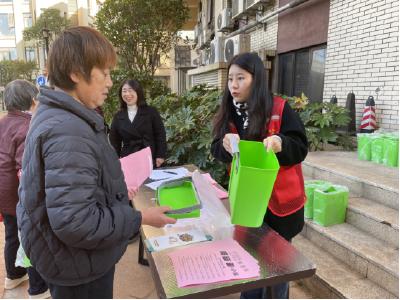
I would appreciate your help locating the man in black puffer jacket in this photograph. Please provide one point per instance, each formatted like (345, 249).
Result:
(74, 212)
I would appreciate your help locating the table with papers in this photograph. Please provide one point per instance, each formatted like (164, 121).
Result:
(278, 260)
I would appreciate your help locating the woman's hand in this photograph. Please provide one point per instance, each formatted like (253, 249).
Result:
(132, 193)
(155, 216)
(274, 143)
(226, 142)
(159, 162)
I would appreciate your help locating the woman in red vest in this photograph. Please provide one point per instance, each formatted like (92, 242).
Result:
(249, 111)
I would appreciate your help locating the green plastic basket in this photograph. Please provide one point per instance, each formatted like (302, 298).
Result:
(364, 146)
(377, 145)
(391, 151)
(252, 179)
(181, 196)
(330, 205)
(310, 186)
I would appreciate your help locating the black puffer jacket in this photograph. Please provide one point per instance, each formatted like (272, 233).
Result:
(74, 212)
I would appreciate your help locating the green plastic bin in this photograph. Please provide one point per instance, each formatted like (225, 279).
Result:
(364, 146)
(310, 186)
(181, 196)
(330, 205)
(252, 179)
(377, 145)
(391, 150)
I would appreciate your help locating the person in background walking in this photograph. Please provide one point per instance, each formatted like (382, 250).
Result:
(248, 111)
(74, 212)
(19, 97)
(137, 125)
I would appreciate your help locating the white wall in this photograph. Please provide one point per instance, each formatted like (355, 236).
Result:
(362, 55)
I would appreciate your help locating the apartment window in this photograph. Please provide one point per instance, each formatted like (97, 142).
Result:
(27, 20)
(30, 54)
(8, 53)
(6, 24)
(302, 71)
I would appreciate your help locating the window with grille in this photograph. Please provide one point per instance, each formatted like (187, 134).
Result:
(302, 71)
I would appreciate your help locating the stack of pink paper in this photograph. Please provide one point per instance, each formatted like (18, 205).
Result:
(213, 262)
(221, 194)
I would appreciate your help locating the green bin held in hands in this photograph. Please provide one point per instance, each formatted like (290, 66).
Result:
(391, 151)
(252, 179)
(330, 205)
(377, 145)
(310, 186)
(364, 146)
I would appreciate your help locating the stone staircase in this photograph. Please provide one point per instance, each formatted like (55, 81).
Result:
(359, 258)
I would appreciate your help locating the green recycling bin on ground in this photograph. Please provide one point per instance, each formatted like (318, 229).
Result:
(377, 145)
(364, 146)
(330, 205)
(252, 178)
(310, 186)
(390, 155)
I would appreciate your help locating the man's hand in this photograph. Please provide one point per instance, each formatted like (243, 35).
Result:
(159, 162)
(155, 216)
(132, 192)
(226, 142)
(274, 143)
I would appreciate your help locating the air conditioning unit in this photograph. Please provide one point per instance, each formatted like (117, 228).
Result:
(224, 20)
(237, 44)
(217, 50)
(237, 8)
(254, 4)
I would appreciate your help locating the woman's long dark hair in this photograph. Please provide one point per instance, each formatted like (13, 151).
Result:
(259, 104)
(136, 86)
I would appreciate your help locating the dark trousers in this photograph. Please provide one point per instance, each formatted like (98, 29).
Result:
(101, 288)
(36, 284)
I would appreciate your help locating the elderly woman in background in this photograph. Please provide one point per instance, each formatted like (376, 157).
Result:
(19, 97)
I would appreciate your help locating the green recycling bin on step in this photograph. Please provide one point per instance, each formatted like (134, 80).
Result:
(364, 146)
(377, 145)
(252, 178)
(310, 186)
(330, 205)
(391, 151)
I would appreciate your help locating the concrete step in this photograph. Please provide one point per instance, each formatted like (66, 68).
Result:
(374, 218)
(371, 257)
(334, 279)
(364, 179)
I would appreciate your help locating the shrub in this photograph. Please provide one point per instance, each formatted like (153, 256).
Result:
(188, 123)
(322, 121)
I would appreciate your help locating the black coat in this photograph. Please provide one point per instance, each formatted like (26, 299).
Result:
(147, 129)
(74, 212)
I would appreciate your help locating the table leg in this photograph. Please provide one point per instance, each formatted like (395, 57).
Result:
(141, 259)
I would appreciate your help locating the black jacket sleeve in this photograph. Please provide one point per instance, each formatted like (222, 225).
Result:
(159, 135)
(114, 136)
(218, 150)
(294, 139)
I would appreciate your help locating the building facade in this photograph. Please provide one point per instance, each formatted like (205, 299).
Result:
(17, 15)
(317, 47)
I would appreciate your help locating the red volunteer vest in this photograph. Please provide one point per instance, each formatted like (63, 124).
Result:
(288, 194)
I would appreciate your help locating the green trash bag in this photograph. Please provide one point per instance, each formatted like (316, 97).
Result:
(377, 145)
(364, 146)
(252, 178)
(391, 151)
(330, 205)
(310, 186)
